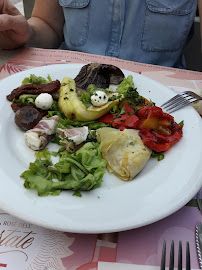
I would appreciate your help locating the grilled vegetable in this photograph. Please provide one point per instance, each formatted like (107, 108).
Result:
(101, 75)
(73, 108)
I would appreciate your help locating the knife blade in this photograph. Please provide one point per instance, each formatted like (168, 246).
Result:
(199, 243)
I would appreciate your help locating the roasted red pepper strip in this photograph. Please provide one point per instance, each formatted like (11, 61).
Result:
(128, 109)
(121, 122)
(154, 112)
(158, 141)
(152, 138)
(107, 118)
(132, 122)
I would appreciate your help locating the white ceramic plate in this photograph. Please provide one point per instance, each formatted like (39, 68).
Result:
(158, 191)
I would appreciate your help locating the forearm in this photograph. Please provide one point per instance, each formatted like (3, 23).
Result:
(200, 15)
(44, 29)
(42, 35)
(46, 24)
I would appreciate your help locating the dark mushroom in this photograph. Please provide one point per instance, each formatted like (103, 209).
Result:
(102, 75)
(27, 117)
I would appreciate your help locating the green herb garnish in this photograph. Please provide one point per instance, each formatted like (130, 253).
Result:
(181, 123)
(158, 155)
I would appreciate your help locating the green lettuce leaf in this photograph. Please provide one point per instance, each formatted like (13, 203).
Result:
(33, 79)
(68, 123)
(125, 84)
(43, 154)
(26, 99)
(80, 171)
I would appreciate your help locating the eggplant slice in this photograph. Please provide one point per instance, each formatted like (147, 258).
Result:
(102, 75)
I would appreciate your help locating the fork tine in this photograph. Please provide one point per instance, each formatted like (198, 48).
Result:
(180, 256)
(170, 100)
(171, 265)
(188, 262)
(173, 102)
(180, 100)
(178, 106)
(163, 257)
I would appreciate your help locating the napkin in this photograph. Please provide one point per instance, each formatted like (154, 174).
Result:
(124, 266)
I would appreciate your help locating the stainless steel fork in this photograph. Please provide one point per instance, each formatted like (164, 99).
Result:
(180, 100)
(171, 263)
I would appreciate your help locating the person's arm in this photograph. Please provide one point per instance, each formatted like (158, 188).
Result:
(200, 16)
(14, 29)
(46, 24)
(44, 29)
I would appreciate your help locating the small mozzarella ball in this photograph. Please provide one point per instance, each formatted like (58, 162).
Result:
(100, 98)
(44, 101)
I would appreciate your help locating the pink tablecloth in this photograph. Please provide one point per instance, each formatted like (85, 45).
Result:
(26, 246)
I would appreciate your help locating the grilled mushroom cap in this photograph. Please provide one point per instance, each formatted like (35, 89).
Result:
(102, 75)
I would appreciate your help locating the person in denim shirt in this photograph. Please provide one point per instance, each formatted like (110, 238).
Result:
(147, 31)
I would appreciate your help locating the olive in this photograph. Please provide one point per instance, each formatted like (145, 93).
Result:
(27, 117)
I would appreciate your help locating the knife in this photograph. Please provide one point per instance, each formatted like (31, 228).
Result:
(199, 243)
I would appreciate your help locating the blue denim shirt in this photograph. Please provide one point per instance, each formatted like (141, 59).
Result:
(147, 31)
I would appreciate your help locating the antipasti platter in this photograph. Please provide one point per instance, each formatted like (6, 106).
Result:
(121, 199)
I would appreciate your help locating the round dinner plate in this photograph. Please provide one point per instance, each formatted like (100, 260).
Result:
(158, 191)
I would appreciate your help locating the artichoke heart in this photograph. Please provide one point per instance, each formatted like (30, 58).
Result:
(124, 151)
(73, 108)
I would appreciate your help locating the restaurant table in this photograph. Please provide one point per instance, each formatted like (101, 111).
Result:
(24, 246)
